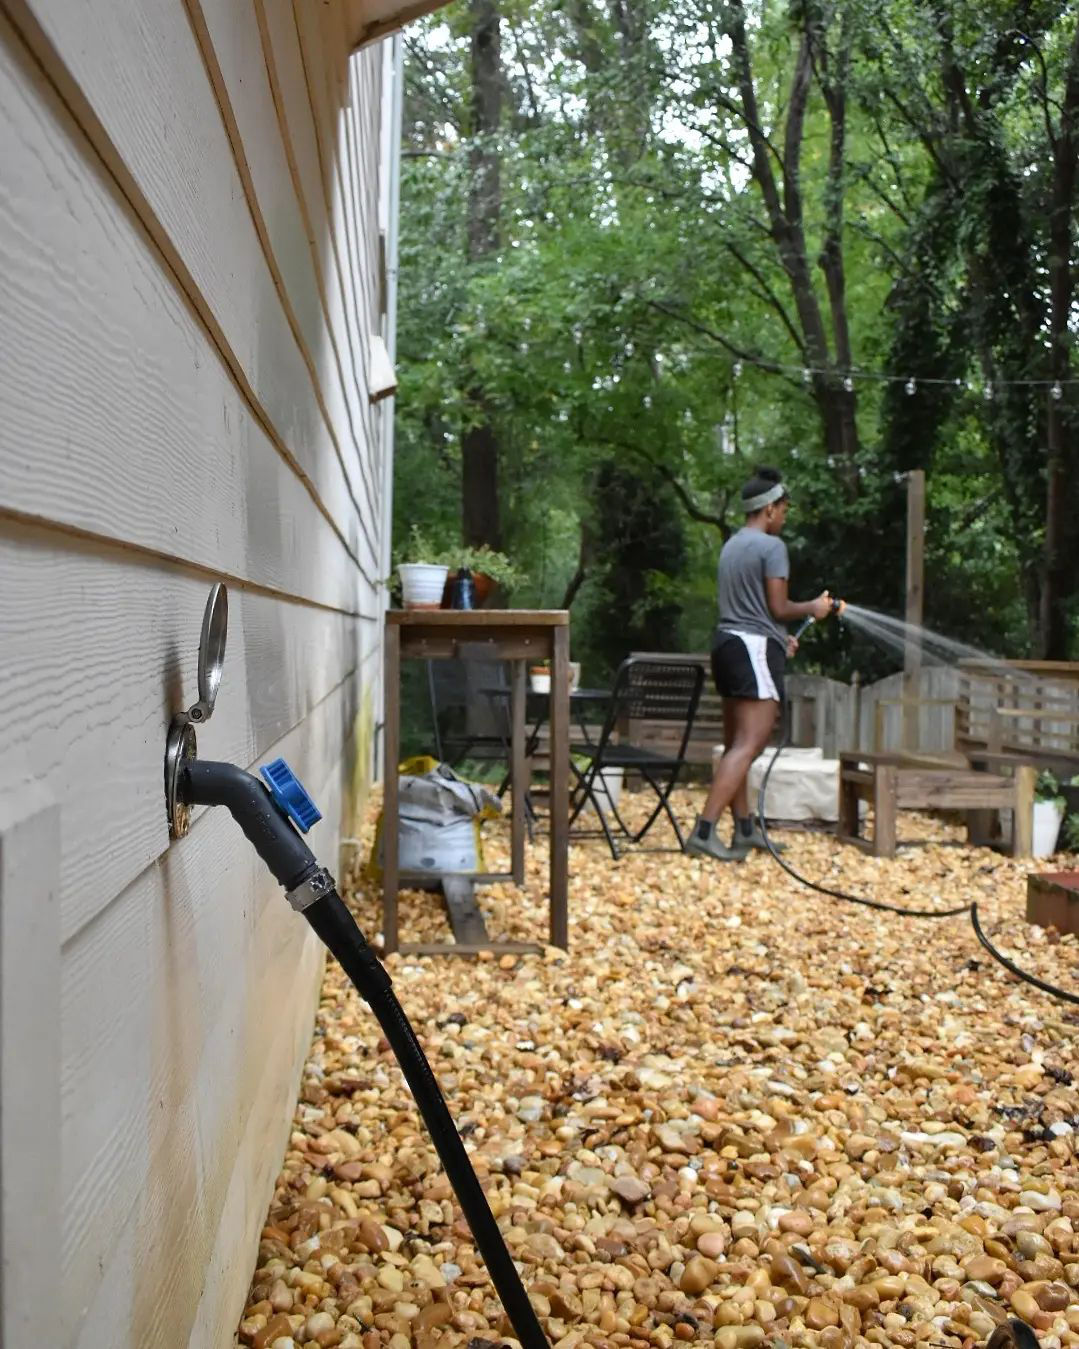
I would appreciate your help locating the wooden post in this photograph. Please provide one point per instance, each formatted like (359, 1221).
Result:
(518, 770)
(1026, 776)
(912, 656)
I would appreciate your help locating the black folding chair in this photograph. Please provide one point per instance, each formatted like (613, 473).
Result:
(644, 689)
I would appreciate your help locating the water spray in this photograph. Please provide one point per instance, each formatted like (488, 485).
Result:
(273, 814)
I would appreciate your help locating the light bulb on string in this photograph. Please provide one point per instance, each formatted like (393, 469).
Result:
(805, 374)
(737, 369)
(848, 384)
(910, 386)
(1057, 391)
(987, 392)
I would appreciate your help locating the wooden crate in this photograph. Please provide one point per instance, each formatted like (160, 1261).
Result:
(1053, 900)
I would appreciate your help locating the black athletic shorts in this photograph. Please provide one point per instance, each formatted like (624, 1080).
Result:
(748, 665)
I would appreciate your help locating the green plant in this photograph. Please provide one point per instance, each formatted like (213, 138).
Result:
(420, 547)
(1047, 788)
(1069, 834)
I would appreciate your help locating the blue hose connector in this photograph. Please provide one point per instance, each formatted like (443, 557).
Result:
(290, 794)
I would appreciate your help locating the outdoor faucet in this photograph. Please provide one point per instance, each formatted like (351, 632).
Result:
(273, 814)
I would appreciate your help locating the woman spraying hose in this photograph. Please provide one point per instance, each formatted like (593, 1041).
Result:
(749, 656)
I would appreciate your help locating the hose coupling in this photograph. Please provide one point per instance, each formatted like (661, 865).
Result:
(317, 886)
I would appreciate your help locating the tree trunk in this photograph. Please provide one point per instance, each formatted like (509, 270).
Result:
(480, 515)
(1061, 530)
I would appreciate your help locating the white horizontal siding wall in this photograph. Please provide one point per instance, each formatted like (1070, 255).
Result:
(189, 210)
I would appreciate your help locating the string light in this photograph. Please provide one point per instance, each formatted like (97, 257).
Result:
(910, 383)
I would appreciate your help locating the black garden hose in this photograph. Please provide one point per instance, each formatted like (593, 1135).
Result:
(275, 839)
(971, 910)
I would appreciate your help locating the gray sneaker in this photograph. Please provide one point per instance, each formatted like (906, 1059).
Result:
(713, 846)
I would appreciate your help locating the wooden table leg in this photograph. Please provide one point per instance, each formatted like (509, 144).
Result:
(885, 810)
(1026, 776)
(518, 777)
(559, 777)
(847, 821)
(391, 685)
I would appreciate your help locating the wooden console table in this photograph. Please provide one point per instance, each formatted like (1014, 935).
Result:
(523, 637)
(894, 782)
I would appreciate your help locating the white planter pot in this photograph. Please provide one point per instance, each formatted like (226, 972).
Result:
(607, 788)
(1047, 820)
(422, 584)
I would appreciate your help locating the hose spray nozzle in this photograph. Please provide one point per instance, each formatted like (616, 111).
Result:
(836, 610)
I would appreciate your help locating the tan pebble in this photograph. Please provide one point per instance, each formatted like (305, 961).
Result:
(317, 1324)
(711, 1244)
(764, 1311)
(630, 1189)
(391, 1278)
(400, 1341)
(799, 1221)
(889, 1287)
(986, 1269)
(284, 1342)
(434, 1314)
(699, 1274)
(819, 1314)
(1025, 1305)
(864, 1297)
(684, 1331)
(1053, 1297)
(834, 1337)
(372, 1235)
(281, 1296)
(788, 1273)
(273, 1330)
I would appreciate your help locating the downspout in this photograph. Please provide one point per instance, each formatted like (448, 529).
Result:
(389, 213)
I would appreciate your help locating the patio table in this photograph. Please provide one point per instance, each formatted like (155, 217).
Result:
(523, 637)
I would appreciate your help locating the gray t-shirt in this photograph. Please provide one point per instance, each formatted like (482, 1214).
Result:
(744, 561)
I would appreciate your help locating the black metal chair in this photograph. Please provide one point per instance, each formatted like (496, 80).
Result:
(645, 689)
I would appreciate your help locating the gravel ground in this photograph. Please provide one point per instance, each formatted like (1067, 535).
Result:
(736, 1112)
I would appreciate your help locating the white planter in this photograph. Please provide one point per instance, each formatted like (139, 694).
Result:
(607, 789)
(1048, 817)
(422, 584)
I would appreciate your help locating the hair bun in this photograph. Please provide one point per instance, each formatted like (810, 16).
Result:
(772, 475)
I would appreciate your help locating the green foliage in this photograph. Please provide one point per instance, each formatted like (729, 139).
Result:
(420, 547)
(1047, 788)
(637, 260)
(1069, 834)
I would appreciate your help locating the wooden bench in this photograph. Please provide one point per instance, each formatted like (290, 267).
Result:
(890, 782)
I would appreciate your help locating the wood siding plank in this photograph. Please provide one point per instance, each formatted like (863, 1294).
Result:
(152, 116)
(97, 654)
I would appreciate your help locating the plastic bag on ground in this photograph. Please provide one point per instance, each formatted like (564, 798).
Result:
(439, 817)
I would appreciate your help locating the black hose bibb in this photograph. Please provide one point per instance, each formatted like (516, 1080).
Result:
(269, 816)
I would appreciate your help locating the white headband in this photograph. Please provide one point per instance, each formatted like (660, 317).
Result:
(775, 493)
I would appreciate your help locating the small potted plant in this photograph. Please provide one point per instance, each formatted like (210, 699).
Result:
(422, 569)
(489, 569)
(1049, 806)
